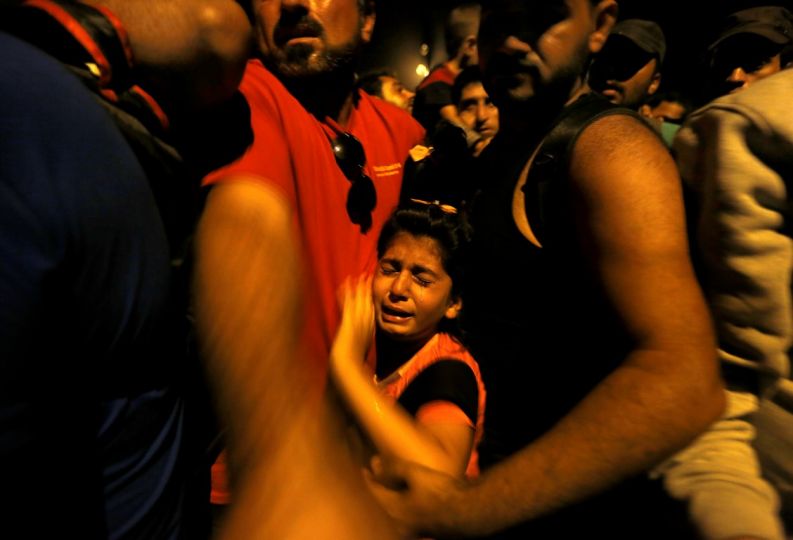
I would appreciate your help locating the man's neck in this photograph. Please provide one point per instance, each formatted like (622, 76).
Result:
(580, 89)
(325, 95)
(535, 116)
(454, 65)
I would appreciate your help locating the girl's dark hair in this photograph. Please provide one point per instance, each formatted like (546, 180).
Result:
(447, 226)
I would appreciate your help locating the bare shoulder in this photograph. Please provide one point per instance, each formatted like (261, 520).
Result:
(619, 154)
(619, 136)
(247, 199)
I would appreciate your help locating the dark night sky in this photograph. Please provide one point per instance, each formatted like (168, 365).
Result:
(688, 24)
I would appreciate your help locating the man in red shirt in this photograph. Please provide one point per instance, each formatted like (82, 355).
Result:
(433, 101)
(283, 227)
(303, 105)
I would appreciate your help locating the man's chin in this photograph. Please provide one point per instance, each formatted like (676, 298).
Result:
(305, 61)
(296, 61)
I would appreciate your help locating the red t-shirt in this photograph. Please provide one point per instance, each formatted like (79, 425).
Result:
(291, 151)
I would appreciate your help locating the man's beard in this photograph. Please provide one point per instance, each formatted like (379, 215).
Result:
(536, 104)
(301, 63)
(322, 81)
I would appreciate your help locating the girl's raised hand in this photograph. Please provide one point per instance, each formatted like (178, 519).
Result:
(356, 330)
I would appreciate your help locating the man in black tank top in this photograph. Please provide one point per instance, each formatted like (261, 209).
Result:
(585, 315)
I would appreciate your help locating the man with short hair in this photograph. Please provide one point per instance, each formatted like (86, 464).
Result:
(324, 172)
(669, 106)
(433, 95)
(628, 69)
(752, 44)
(587, 319)
(666, 111)
(475, 108)
(385, 85)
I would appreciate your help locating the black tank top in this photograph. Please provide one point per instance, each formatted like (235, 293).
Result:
(536, 318)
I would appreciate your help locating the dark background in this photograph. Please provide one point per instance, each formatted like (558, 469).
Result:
(403, 25)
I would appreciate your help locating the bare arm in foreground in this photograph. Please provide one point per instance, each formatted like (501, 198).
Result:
(290, 474)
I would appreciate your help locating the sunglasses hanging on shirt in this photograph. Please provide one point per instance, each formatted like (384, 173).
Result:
(351, 159)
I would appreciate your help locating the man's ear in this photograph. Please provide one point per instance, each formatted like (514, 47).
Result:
(653, 88)
(368, 19)
(605, 15)
(454, 308)
(469, 45)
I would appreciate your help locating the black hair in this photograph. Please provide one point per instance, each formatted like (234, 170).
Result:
(367, 7)
(672, 96)
(450, 230)
(469, 75)
(786, 55)
(462, 21)
(371, 82)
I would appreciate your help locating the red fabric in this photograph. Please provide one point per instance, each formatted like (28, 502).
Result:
(220, 493)
(79, 33)
(292, 153)
(440, 74)
(442, 347)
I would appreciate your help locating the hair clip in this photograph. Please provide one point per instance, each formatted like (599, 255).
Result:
(445, 208)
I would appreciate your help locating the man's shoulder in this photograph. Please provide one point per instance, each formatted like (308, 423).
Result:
(398, 120)
(592, 124)
(260, 85)
(440, 74)
(588, 114)
(384, 108)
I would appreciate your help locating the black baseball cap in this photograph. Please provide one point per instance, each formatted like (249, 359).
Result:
(774, 23)
(647, 35)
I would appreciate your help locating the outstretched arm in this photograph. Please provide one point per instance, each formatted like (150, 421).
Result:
(443, 447)
(628, 198)
(291, 477)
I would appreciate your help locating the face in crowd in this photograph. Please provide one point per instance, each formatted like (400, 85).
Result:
(394, 92)
(411, 290)
(531, 50)
(300, 38)
(624, 73)
(665, 111)
(743, 59)
(477, 111)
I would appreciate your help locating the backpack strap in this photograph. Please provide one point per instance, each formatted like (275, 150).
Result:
(548, 170)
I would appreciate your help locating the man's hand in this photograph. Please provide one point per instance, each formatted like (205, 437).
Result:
(420, 500)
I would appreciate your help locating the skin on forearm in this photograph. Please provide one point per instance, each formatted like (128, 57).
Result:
(393, 431)
(289, 472)
(632, 421)
(310, 489)
(248, 312)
